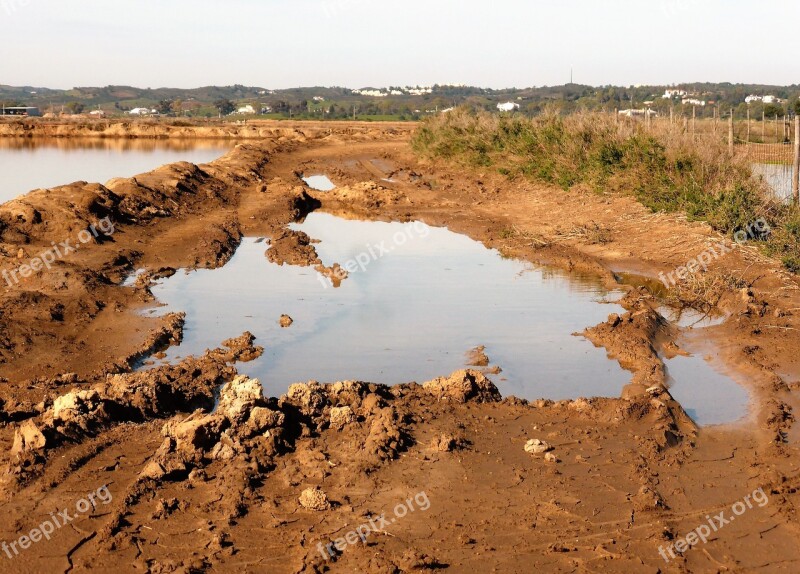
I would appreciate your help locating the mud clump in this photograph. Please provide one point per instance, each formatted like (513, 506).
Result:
(366, 196)
(285, 321)
(128, 397)
(314, 499)
(291, 247)
(477, 357)
(463, 386)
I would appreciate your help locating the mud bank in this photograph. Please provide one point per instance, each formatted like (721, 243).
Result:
(207, 473)
(149, 129)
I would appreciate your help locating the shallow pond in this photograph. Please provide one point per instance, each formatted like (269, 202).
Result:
(32, 163)
(417, 299)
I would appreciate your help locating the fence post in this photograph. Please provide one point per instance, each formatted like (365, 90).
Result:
(730, 133)
(796, 170)
(748, 125)
(694, 121)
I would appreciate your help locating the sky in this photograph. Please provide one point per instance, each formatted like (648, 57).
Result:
(371, 43)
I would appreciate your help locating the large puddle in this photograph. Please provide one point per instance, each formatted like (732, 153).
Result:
(417, 299)
(32, 163)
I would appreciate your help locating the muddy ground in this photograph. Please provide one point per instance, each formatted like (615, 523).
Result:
(189, 468)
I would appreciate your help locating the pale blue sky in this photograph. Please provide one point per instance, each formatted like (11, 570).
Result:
(358, 43)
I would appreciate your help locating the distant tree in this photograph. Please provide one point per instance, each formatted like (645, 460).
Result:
(75, 107)
(177, 106)
(225, 106)
(774, 110)
(164, 107)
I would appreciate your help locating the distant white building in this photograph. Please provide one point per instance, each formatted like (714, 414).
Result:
(248, 109)
(669, 94)
(765, 99)
(693, 102)
(373, 93)
(139, 112)
(97, 113)
(508, 107)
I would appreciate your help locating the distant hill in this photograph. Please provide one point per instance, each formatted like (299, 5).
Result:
(410, 102)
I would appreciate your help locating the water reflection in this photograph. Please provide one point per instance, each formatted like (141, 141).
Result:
(33, 163)
(114, 144)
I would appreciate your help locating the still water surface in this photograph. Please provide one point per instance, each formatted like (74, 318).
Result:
(32, 163)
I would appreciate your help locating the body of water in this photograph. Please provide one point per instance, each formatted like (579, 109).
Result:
(417, 300)
(30, 163)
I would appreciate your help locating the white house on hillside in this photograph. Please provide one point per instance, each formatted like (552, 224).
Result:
(508, 107)
(669, 94)
(248, 109)
(765, 99)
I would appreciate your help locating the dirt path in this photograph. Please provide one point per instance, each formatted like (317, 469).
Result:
(191, 490)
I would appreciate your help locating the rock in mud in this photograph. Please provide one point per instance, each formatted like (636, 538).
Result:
(239, 397)
(262, 420)
(341, 417)
(286, 321)
(308, 397)
(27, 438)
(314, 499)
(536, 446)
(463, 386)
(448, 443)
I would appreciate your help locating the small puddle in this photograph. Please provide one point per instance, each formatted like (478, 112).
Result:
(707, 394)
(319, 182)
(417, 300)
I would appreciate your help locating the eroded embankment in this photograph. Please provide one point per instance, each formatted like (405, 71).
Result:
(206, 472)
(149, 129)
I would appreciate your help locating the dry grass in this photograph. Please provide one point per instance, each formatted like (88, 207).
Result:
(660, 163)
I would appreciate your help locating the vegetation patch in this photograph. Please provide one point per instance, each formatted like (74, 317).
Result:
(662, 166)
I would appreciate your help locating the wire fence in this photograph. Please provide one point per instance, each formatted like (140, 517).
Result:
(770, 144)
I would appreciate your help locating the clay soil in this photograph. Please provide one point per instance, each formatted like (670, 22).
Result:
(205, 474)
